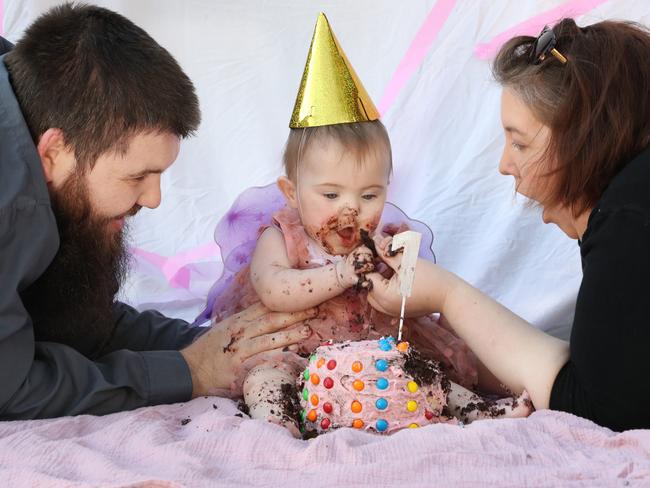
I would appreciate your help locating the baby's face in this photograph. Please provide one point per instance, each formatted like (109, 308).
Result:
(338, 194)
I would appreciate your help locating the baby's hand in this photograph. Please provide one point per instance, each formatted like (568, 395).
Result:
(352, 271)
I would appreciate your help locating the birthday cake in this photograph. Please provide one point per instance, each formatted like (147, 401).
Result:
(378, 386)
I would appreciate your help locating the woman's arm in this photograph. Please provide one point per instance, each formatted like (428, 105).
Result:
(518, 354)
(284, 289)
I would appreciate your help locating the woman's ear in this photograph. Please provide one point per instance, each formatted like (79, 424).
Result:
(57, 159)
(288, 189)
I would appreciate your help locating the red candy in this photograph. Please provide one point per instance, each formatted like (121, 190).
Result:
(428, 414)
(327, 407)
(328, 382)
(331, 364)
(325, 424)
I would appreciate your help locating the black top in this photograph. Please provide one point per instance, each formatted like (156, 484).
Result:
(607, 378)
(141, 364)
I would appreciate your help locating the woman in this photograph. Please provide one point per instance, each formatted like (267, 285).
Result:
(576, 115)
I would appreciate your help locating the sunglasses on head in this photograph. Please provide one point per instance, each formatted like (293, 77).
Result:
(545, 45)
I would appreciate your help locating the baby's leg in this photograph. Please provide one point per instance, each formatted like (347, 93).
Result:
(468, 406)
(270, 394)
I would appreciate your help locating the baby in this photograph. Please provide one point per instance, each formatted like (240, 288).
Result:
(337, 169)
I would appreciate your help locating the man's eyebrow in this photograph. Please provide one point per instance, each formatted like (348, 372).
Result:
(146, 172)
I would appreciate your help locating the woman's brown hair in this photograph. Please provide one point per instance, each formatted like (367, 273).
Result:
(596, 105)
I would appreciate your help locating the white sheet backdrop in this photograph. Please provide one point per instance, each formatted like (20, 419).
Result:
(246, 59)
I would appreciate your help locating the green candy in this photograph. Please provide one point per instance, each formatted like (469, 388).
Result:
(305, 374)
(312, 358)
(305, 394)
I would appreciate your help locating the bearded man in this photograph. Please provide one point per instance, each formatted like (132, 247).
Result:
(93, 111)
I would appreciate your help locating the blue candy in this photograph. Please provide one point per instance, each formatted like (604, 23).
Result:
(384, 345)
(382, 383)
(381, 425)
(381, 403)
(381, 364)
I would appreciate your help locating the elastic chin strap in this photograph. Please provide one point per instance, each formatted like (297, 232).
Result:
(303, 136)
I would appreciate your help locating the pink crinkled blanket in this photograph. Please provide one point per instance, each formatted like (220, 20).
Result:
(205, 443)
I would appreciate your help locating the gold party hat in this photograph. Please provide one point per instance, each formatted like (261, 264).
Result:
(330, 91)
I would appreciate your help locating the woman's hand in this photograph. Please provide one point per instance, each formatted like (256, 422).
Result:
(429, 288)
(215, 356)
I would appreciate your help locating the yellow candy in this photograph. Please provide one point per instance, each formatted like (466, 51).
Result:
(413, 426)
(412, 386)
(356, 406)
(358, 385)
(357, 423)
(320, 362)
(314, 399)
(412, 405)
(357, 366)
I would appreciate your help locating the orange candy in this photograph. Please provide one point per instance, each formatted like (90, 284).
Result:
(312, 416)
(356, 406)
(403, 346)
(320, 362)
(315, 379)
(358, 385)
(357, 423)
(357, 366)
(314, 399)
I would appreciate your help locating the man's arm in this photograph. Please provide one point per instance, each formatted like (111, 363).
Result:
(43, 379)
(149, 331)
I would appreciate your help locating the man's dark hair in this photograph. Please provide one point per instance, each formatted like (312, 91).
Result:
(100, 79)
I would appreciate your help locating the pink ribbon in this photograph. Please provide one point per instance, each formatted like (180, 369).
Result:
(416, 51)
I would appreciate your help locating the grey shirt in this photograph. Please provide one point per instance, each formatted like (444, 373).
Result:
(140, 366)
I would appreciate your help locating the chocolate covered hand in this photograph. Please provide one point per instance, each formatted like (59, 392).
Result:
(352, 271)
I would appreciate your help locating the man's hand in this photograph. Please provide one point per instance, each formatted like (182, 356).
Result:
(215, 356)
(354, 268)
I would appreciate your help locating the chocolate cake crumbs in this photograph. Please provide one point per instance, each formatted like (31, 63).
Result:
(214, 406)
(242, 407)
(390, 252)
(186, 421)
(289, 403)
(240, 415)
(482, 405)
(309, 434)
(423, 371)
(368, 242)
(232, 341)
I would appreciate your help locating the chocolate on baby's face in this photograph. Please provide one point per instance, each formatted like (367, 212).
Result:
(339, 195)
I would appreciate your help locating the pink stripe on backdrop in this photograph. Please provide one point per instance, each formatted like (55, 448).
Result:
(533, 26)
(416, 51)
(172, 267)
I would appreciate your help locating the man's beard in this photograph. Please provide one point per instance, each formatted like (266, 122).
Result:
(72, 302)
